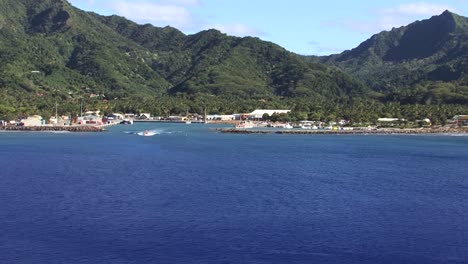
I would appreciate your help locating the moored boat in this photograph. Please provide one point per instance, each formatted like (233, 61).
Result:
(126, 122)
(245, 124)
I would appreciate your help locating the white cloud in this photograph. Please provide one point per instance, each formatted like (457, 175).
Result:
(420, 8)
(388, 18)
(157, 14)
(321, 49)
(236, 29)
(86, 2)
(184, 2)
(181, 14)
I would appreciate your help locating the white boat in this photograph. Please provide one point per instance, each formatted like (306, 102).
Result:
(188, 122)
(245, 124)
(282, 125)
(146, 133)
(127, 122)
(306, 124)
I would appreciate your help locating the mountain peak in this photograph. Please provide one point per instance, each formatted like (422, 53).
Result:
(447, 13)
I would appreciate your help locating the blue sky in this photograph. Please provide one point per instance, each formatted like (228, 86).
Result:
(303, 26)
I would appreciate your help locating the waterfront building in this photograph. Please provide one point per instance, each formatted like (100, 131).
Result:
(386, 121)
(129, 116)
(90, 120)
(459, 120)
(35, 120)
(144, 116)
(221, 117)
(258, 114)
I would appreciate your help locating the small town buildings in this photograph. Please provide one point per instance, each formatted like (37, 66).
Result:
(343, 122)
(95, 113)
(176, 118)
(459, 120)
(389, 121)
(144, 116)
(424, 122)
(129, 116)
(62, 121)
(115, 116)
(258, 114)
(221, 117)
(34, 120)
(90, 120)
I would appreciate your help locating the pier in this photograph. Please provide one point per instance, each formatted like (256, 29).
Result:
(53, 128)
(349, 132)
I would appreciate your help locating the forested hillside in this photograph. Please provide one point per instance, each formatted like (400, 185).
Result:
(49, 48)
(53, 52)
(425, 62)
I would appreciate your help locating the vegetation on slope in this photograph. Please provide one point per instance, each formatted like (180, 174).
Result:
(425, 62)
(52, 52)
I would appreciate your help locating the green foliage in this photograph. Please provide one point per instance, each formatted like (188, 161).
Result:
(426, 53)
(52, 52)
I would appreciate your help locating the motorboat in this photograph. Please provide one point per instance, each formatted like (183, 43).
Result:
(126, 122)
(146, 133)
(245, 124)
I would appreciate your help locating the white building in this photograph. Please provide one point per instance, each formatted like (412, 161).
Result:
(258, 114)
(34, 120)
(459, 120)
(144, 116)
(129, 116)
(62, 120)
(115, 116)
(90, 120)
(95, 113)
(386, 119)
(221, 117)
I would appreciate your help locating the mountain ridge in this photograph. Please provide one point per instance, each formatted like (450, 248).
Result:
(166, 57)
(51, 50)
(437, 40)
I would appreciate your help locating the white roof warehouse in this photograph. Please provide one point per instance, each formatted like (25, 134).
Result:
(260, 112)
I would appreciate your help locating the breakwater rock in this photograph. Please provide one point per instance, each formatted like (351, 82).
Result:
(53, 128)
(350, 132)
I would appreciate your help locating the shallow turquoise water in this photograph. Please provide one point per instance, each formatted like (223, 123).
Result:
(192, 195)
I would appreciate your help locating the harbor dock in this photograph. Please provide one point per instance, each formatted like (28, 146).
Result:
(53, 128)
(349, 132)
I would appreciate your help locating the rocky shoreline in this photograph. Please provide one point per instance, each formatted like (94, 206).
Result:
(350, 132)
(52, 128)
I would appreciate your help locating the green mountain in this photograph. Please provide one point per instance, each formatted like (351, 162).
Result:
(50, 49)
(52, 52)
(425, 62)
(213, 63)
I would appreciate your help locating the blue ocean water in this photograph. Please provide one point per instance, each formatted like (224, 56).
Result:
(192, 195)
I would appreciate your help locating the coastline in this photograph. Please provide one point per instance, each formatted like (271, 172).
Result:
(51, 128)
(350, 132)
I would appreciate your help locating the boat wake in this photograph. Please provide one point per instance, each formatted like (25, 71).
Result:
(455, 134)
(148, 133)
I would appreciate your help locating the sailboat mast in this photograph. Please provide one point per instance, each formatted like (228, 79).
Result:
(206, 118)
(56, 113)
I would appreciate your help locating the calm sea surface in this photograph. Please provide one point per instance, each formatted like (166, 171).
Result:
(192, 195)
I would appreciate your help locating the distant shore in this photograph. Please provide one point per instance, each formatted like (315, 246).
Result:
(52, 128)
(350, 132)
